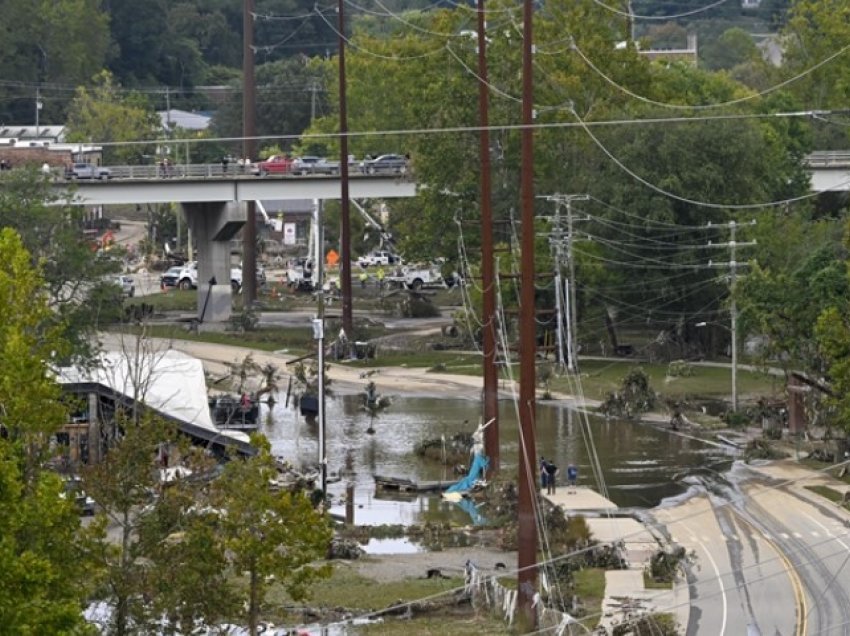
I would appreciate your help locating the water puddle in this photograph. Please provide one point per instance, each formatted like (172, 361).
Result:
(642, 465)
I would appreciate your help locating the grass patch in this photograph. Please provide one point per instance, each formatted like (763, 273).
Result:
(836, 472)
(827, 492)
(651, 584)
(590, 588)
(448, 361)
(600, 377)
(347, 588)
(172, 300)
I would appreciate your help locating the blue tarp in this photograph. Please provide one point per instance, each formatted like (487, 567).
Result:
(479, 465)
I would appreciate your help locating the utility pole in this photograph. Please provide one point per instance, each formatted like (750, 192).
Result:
(491, 378)
(733, 266)
(345, 204)
(249, 148)
(570, 300)
(573, 326)
(527, 471)
(319, 335)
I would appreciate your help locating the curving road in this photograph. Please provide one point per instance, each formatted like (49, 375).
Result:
(769, 556)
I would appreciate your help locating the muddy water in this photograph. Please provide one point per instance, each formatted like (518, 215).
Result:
(641, 464)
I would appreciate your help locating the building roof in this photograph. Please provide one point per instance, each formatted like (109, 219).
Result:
(176, 118)
(47, 132)
(169, 382)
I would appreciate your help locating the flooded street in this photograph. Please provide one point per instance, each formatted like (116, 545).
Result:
(641, 464)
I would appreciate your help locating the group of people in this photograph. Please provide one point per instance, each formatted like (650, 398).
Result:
(243, 163)
(549, 472)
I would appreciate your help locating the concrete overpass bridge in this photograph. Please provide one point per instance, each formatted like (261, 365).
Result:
(830, 170)
(213, 203)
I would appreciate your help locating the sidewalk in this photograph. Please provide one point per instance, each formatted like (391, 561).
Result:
(625, 593)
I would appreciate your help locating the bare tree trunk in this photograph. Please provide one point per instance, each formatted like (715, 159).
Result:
(253, 605)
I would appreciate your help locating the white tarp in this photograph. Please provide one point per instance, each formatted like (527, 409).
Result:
(169, 381)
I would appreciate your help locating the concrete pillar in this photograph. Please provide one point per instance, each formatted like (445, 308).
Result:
(213, 224)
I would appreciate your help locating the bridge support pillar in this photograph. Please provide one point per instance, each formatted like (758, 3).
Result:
(213, 224)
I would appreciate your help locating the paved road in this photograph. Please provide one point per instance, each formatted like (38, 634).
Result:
(815, 538)
(770, 556)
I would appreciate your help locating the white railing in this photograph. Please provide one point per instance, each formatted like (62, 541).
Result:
(828, 159)
(203, 171)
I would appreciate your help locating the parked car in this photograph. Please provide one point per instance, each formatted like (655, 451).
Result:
(276, 164)
(379, 257)
(314, 165)
(127, 285)
(385, 164)
(87, 171)
(171, 277)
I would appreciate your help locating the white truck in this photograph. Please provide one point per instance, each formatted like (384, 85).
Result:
(378, 257)
(416, 277)
(188, 277)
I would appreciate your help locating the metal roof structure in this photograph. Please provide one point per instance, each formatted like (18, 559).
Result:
(169, 382)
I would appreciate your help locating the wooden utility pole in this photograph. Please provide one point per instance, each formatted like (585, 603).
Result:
(491, 378)
(345, 220)
(527, 472)
(249, 149)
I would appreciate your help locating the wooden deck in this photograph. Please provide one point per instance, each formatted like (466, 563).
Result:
(406, 485)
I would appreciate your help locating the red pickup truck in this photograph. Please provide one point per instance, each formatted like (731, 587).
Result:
(276, 164)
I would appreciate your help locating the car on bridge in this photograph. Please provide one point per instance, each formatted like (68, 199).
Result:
(276, 164)
(385, 164)
(87, 171)
(314, 165)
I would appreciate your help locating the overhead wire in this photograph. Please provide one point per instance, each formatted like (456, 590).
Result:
(362, 49)
(698, 107)
(680, 198)
(732, 501)
(667, 17)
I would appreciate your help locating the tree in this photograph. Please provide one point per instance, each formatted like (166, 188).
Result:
(833, 338)
(153, 568)
(43, 572)
(785, 305)
(816, 30)
(268, 532)
(734, 46)
(52, 234)
(55, 43)
(105, 113)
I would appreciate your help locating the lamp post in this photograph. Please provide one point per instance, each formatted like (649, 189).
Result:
(733, 332)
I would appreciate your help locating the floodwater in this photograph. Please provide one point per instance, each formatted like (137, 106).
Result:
(641, 464)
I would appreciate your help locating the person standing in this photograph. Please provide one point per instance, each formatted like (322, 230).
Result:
(544, 474)
(572, 476)
(551, 472)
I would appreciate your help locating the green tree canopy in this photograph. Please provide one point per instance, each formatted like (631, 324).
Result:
(43, 572)
(105, 113)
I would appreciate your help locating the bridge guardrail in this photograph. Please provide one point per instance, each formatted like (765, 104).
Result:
(195, 171)
(829, 158)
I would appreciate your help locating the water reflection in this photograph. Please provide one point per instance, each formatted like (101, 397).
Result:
(641, 464)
